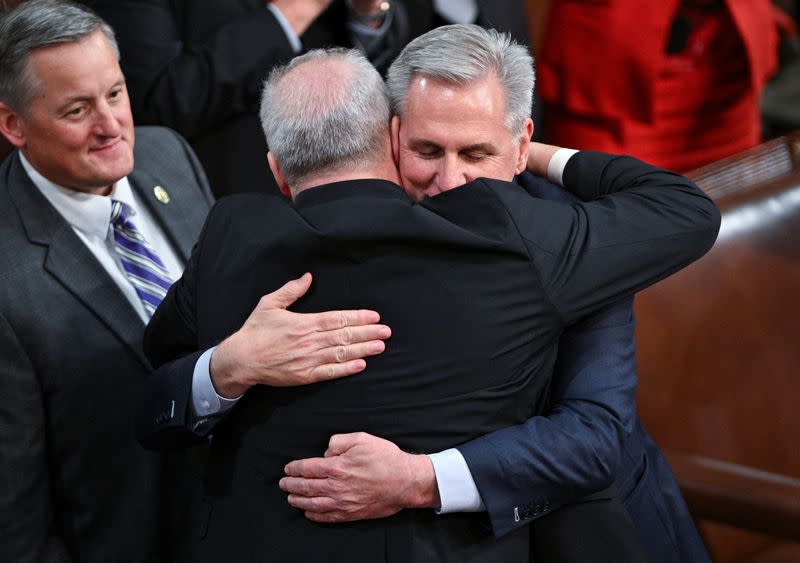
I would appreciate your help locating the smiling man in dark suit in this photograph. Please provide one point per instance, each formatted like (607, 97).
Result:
(484, 356)
(92, 230)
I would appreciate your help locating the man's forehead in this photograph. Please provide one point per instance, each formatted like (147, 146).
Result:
(75, 69)
(460, 125)
(443, 101)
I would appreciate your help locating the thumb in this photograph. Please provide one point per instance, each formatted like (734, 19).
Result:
(287, 294)
(340, 443)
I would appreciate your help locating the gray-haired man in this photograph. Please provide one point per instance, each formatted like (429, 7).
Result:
(351, 224)
(461, 96)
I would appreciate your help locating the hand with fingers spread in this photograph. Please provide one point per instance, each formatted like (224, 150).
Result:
(360, 477)
(280, 348)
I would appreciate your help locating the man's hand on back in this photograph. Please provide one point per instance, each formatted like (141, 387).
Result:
(279, 348)
(360, 477)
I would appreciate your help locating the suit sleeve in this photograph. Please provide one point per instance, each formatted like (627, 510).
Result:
(164, 418)
(527, 471)
(26, 510)
(636, 225)
(192, 88)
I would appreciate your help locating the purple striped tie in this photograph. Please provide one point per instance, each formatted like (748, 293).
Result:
(144, 268)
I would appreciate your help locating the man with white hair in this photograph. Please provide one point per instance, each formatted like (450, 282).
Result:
(484, 357)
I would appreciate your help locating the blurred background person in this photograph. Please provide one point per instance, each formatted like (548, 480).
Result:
(197, 65)
(676, 83)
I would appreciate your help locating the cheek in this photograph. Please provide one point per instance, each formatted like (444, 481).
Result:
(63, 139)
(125, 117)
(501, 169)
(415, 171)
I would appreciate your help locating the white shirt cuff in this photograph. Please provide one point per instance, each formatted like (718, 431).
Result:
(294, 40)
(555, 168)
(457, 490)
(205, 400)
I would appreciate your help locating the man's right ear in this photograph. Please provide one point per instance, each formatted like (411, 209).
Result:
(395, 134)
(11, 126)
(279, 179)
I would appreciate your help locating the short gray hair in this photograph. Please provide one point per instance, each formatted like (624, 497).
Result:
(462, 55)
(332, 116)
(34, 24)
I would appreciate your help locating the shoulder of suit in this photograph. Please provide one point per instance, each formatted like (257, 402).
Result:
(258, 208)
(160, 151)
(147, 135)
(257, 201)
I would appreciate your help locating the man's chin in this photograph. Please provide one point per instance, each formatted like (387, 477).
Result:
(102, 182)
(113, 169)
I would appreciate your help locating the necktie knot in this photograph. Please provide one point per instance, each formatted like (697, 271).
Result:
(120, 217)
(118, 211)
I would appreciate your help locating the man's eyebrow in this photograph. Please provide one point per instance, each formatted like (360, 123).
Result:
(479, 147)
(422, 144)
(83, 97)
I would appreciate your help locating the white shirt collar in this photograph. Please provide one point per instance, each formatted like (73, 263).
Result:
(89, 213)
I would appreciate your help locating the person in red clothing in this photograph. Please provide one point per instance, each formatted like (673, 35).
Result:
(677, 84)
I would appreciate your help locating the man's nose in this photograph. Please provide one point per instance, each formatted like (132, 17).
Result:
(451, 174)
(106, 122)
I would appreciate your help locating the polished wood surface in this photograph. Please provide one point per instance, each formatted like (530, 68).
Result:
(719, 350)
(740, 496)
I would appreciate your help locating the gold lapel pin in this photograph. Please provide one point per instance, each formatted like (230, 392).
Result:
(161, 194)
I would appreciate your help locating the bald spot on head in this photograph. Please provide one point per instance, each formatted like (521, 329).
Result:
(314, 88)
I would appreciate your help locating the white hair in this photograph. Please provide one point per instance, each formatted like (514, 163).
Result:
(462, 55)
(326, 110)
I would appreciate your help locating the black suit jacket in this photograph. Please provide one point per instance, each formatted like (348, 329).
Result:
(477, 284)
(74, 484)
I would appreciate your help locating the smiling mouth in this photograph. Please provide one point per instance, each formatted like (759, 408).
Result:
(108, 146)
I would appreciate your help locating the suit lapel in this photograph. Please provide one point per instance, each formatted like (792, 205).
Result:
(72, 264)
(173, 216)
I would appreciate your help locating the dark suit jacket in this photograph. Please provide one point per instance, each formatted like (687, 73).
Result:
(590, 438)
(198, 67)
(477, 284)
(74, 484)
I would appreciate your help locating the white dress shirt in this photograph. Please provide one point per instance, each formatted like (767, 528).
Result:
(89, 215)
(457, 489)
